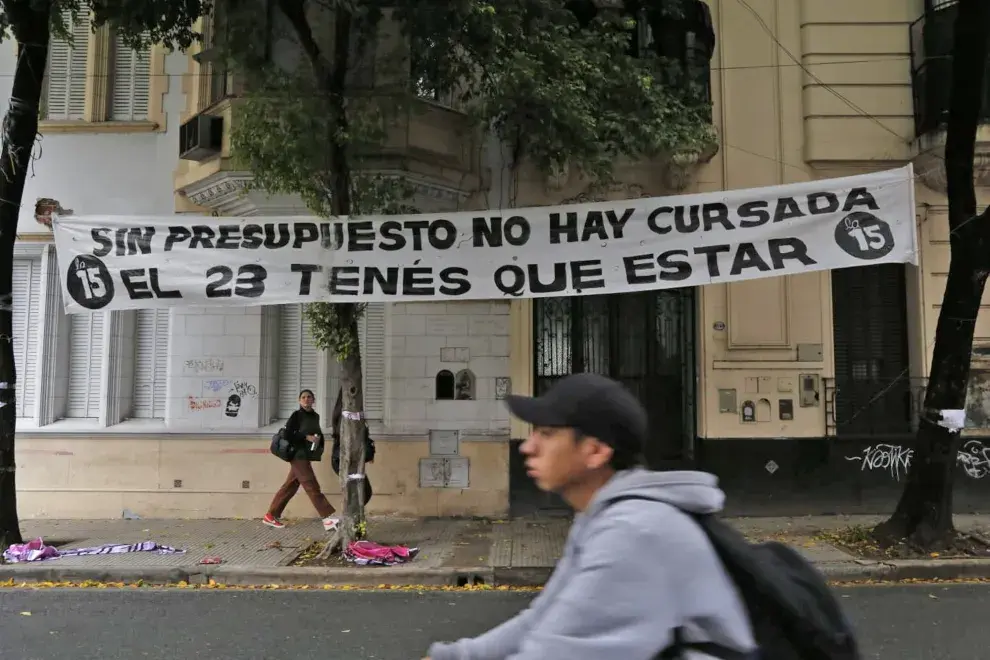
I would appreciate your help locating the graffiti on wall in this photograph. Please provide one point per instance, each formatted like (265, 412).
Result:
(239, 387)
(973, 458)
(198, 366)
(197, 403)
(231, 397)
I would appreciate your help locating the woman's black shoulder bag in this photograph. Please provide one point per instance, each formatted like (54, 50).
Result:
(282, 446)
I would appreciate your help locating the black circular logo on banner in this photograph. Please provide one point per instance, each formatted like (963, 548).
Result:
(864, 236)
(89, 282)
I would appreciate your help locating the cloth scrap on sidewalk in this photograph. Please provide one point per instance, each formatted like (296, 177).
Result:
(369, 553)
(36, 550)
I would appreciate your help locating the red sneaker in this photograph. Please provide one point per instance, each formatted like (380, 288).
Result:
(272, 521)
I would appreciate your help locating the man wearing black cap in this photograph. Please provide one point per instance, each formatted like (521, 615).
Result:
(636, 568)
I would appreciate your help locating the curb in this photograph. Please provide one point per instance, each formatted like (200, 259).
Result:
(243, 576)
(408, 576)
(906, 569)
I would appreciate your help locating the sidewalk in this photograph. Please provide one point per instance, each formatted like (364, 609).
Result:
(453, 552)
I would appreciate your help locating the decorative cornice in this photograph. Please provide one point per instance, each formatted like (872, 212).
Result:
(680, 168)
(218, 189)
(676, 172)
(425, 187)
(929, 164)
(229, 193)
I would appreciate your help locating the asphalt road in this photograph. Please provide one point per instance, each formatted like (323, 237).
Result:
(896, 623)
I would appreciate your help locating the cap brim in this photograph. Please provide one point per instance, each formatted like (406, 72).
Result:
(533, 411)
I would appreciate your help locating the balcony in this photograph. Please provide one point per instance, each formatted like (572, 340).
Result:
(931, 78)
(430, 144)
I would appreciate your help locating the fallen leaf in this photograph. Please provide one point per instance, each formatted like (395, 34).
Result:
(25, 614)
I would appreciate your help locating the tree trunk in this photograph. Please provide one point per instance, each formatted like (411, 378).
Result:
(352, 522)
(352, 428)
(924, 512)
(29, 24)
(331, 78)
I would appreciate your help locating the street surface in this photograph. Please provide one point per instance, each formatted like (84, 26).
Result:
(896, 623)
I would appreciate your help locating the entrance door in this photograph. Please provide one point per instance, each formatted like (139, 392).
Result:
(872, 393)
(644, 340)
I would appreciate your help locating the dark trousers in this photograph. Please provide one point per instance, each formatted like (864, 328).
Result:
(300, 474)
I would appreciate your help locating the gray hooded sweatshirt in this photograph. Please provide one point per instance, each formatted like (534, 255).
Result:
(630, 574)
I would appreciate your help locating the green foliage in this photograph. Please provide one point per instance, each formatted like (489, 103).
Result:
(559, 92)
(334, 327)
(140, 22)
(167, 22)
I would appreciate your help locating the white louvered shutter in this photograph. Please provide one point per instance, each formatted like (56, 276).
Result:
(131, 82)
(85, 362)
(372, 334)
(27, 310)
(298, 360)
(65, 76)
(150, 363)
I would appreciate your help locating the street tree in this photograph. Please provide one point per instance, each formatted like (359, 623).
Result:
(559, 84)
(923, 515)
(31, 24)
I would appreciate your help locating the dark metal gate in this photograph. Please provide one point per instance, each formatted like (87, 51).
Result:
(644, 340)
(872, 394)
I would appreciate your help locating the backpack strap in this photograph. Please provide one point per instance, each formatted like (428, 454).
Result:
(676, 649)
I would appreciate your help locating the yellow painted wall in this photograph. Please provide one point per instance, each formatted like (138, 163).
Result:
(78, 477)
(857, 88)
(802, 90)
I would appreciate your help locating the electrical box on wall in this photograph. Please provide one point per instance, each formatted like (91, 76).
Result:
(445, 443)
(727, 401)
(809, 352)
(437, 472)
(810, 385)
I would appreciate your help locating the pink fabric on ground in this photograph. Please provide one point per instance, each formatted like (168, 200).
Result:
(35, 550)
(365, 553)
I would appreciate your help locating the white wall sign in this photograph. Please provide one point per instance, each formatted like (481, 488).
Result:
(136, 262)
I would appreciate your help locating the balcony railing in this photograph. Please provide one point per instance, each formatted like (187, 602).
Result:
(931, 67)
(876, 407)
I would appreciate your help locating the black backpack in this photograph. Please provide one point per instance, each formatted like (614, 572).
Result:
(793, 612)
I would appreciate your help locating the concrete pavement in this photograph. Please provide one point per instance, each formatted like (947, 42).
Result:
(920, 622)
(516, 552)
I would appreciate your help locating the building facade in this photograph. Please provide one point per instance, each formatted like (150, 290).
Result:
(129, 410)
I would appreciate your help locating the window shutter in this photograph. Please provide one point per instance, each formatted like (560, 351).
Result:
(372, 335)
(131, 82)
(297, 361)
(150, 363)
(65, 88)
(85, 364)
(869, 324)
(27, 310)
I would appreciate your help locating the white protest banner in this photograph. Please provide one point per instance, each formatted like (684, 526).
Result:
(136, 262)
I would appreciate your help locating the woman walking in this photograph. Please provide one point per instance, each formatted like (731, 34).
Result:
(304, 432)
